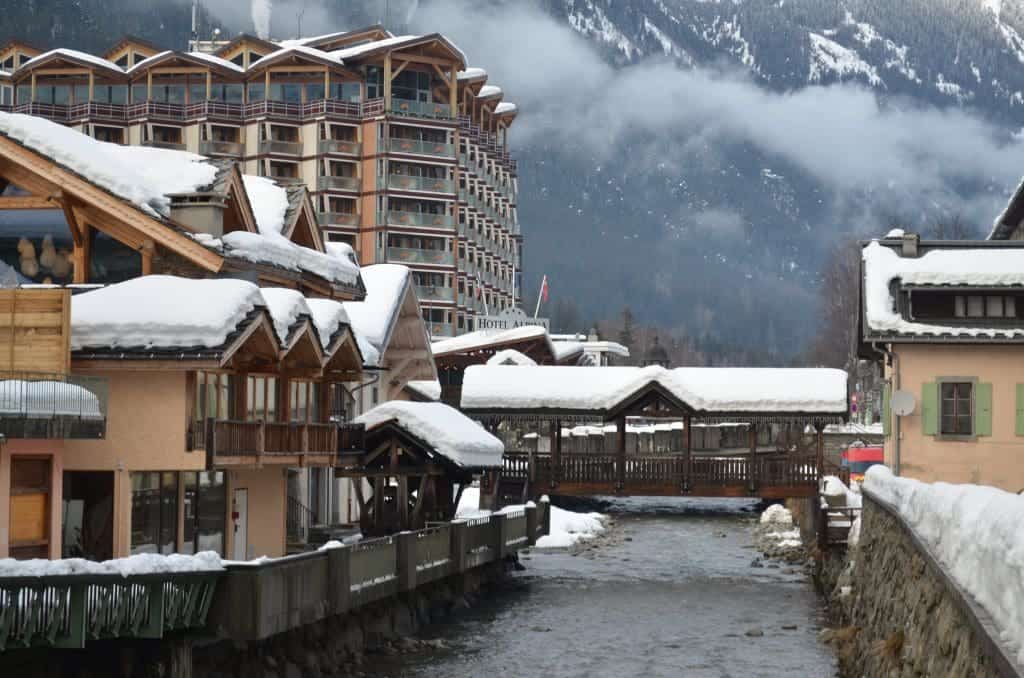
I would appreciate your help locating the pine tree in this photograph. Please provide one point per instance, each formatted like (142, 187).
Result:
(626, 335)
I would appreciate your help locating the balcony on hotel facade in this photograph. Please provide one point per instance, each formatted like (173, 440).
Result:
(405, 182)
(337, 183)
(437, 149)
(340, 147)
(224, 149)
(411, 255)
(420, 109)
(424, 219)
(338, 219)
(435, 293)
(275, 147)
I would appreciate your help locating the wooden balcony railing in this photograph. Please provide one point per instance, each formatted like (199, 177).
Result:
(230, 442)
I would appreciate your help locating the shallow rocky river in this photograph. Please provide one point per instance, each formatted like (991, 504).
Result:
(670, 592)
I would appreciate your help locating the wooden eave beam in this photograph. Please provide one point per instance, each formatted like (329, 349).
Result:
(27, 202)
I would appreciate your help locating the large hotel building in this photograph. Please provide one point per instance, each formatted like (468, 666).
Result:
(403, 146)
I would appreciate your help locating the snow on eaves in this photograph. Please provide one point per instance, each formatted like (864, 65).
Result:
(472, 73)
(73, 54)
(46, 399)
(269, 203)
(505, 107)
(217, 61)
(968, 267)
(510, 356)
(427, 388)
(709, 390)
(277, 250)
(286, 306)
(374, 317)
(158, 311)
(482, 339)
(488, 91)
(450, 433)
(328, 317)
(141, 175)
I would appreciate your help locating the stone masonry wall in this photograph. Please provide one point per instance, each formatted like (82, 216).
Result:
(894, 616)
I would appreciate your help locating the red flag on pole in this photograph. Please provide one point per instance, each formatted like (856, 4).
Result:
(544, 289)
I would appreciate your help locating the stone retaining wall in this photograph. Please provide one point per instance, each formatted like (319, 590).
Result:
(896, 613)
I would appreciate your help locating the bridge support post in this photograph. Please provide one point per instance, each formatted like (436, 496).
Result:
(752, 459)
(620, 453)
(819, 443)
(688, 457)
(556, 452)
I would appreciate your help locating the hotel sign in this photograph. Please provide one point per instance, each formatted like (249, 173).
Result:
(508, 320)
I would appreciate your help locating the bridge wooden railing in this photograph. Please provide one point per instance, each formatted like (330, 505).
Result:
(581, 473)
(69, 610)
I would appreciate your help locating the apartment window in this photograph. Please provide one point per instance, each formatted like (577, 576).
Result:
(214, 394)
(154, 520)
(231, 93)
(985, 306)
(345, 91)
(53, 94)
(314, 91)
(261, 398)
(374, 82)
(957, 408)
(111, 94)
(114, 135)
(6, 96)
(289, 92)
(257, 91)
(411, 85)
(205, 511)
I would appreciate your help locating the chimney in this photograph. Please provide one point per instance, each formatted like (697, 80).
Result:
(910, 245)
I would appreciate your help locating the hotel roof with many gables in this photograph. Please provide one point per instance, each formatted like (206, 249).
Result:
(403, 147)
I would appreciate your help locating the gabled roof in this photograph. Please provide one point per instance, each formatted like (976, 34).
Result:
(186, 59)
(485, 343)
(25, 47)
(339, 39)
(297, 54)
(400, 43)
(375, 318)
(131, 40)
(1011, 218)
(442, 430)
(249, 39)
(73, 56)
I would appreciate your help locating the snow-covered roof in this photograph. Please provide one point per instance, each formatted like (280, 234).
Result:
(472, 73)
(298, 49)
(374, 317)
(286, 307)
(981, 267)
(510, 356)
(148, 61)
(36, 399)
(482, 339)
(428, 388)
(505, 107)
(141, 175)
(73, 54)
(358, 50)
(450, 433)
(328, 317)
(276, 249)
(488, 91)
(158, 311)
(708, 390)
(217, 61)
(269, 203)
(1010, 217)
(566, 349)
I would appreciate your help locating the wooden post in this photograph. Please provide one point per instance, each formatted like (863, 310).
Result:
(688, 457)
(556, 452)
(453, 91)
(92, 86)
(327, 83)
(620, 452)
(209, 85)
(82, 254)
(148, 247)
(149, 86)
(32, 92)
(403, 502)
(819, 429)
(752, 459)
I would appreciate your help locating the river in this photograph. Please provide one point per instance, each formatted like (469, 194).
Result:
(674, 594)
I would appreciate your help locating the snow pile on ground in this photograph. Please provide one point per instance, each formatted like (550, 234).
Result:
(450, 433)
(777, 537)
(976, 532)
(139, 174)
(567, 527)
(157, 311)
(143, 563)
(777, 514)
(837, 490)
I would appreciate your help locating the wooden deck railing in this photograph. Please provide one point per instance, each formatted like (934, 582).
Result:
(67, 611)
(727, 475)
(256, 601)
(232, 439)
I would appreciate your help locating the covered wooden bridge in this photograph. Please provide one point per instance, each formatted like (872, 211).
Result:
(790, 400)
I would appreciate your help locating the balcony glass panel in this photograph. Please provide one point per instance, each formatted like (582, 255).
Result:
(412, 183)
(420, 256)
(417, 219)
(420, 109)
(337, 183)
(439, 149)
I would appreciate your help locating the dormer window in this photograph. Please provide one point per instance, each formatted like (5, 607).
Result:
(946, 306)
(985, 306)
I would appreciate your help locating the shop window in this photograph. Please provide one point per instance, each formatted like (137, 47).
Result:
(154, 520)
(205, 511)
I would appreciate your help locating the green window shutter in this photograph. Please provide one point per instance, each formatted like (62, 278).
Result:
(983, 410)
(886, 410)
(1020, 409)
(930, 408)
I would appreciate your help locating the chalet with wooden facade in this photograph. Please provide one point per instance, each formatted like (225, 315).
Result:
(402, 147)
(945, 319)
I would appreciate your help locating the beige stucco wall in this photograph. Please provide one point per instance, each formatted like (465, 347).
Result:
(267, 513)
(991, 460)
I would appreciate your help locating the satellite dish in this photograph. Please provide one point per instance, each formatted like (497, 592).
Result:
(902, 403)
